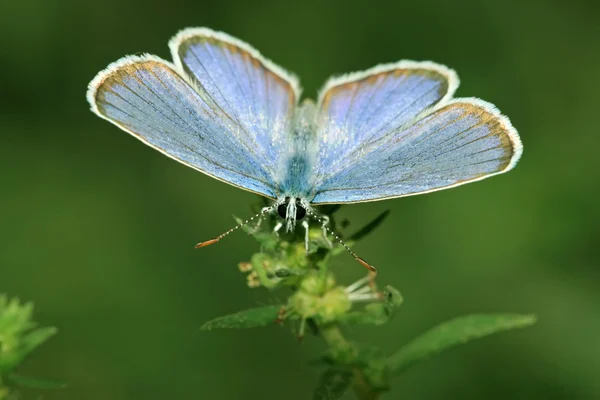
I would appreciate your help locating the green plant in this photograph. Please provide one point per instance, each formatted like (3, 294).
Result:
(319, 305)
(19, 336)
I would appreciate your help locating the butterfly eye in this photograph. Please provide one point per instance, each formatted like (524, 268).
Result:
(282, 210)
(300, 212)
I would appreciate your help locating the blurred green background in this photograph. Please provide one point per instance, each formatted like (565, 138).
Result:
(99, 230)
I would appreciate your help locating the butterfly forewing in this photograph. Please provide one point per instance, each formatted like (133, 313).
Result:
(358, 109)
(147, 98)
(460, 142)
(221, 109)
(254, 92)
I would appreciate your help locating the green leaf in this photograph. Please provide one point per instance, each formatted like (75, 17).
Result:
(333, 384)
(11, 359)
(35, 338)
(364, 231)
(36, 383)
(17, 334)
(454, 332)
(251, 318)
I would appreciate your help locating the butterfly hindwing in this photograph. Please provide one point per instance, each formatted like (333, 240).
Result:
(461, 141)
(357, 109)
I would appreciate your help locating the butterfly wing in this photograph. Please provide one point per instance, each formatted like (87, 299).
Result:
(399, 134)
(221, 108)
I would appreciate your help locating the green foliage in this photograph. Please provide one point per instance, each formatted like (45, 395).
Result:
(452, 333)
(19, 336)
(332, 384)
(252, 318)
(317, 301)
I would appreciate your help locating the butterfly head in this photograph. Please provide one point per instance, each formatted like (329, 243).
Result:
(291, 209)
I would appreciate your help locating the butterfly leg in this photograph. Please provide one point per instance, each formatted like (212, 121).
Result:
(260, 219)
(277, 228)
(325, 220)
(305, 225)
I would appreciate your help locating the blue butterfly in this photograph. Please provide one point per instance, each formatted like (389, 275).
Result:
(221, 108)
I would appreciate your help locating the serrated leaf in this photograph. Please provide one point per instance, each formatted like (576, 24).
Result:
(36, 383)
(364, 231)
(332, 384)
(457, 331)
(251, 318)
(27, 344)
(15, 318)
(35, 338)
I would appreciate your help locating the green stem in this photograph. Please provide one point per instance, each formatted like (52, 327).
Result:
(345, 352)
(333, 336)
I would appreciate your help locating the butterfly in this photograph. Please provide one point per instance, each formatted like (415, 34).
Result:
(223, 109)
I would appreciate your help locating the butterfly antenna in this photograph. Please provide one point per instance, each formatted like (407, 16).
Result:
(353, 254)
(222, 235)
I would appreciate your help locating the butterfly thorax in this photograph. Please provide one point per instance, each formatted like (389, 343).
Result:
(296, 163)
(297, 159)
